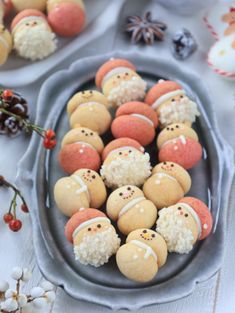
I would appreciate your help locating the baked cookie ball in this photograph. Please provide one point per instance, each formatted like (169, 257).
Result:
(184, 223)
(66, 17)
(89, 108)
(168, 183)
(83, 189)
(32, 36)
(125, 163)
(143, 254)
(81, 148)
(128, 206)
(171, 103)
(5, 44)
(20, 5)
(179, 143)
(119, 82)
(94, 238)
(135, 120)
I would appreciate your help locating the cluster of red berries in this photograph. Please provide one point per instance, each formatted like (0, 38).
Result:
(49, 139)
(7, 94)
(14, 223)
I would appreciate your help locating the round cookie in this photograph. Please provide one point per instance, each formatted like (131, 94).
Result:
(89, 108)
(179, 143)
(125, 163)
(171, 103)
(168, 183)
(20, 5)
(83, 189)
(5, 44)
(32, 36)
(128, 206)
(135, 120)
(143, 254)
(65, 17)
(184, 223)
(94, 238)
(119, 82)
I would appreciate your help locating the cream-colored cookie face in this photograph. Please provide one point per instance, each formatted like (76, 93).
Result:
(169, 101)
(30, 23)
(121, 154)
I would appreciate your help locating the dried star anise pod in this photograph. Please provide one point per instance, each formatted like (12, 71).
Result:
(145, 29)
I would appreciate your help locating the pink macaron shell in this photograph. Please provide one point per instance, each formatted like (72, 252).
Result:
(110, 65)
(136, 107)
(67, 19)
(26, 13)
(75, 156)
(119, 143)
(185, 154)
(78, 218)
(203, 213)
(133, 127)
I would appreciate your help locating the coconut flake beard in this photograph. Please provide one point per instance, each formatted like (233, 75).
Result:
(35, 43)
(176, 112)
(178, 237)
(97, 249)
(129, 171)
(133, 89)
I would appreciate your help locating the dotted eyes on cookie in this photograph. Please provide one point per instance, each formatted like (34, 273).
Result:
(97, 226)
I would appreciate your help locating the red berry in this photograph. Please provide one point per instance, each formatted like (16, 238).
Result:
(49, 144)
(24, 208)
(50, 134)
(15, 225)
(7, 94)
(7, 217)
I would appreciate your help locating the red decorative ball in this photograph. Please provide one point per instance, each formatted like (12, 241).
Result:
(49, 144)
(7, 94)
(24, 208)
(15, 225)
(7, 218)
(50, 134)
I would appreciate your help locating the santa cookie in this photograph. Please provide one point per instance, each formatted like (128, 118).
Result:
(179, 143)
(184, 223)
(171, 103)
(93, 237)
(128, 206)
(83, 189)
(81, 148)
(5, 44)
(168, 183)
(119, 82)
(89, 108)
(135, 120)
(143, 254)
(125, 163)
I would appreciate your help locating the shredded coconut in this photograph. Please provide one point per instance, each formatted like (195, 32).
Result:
(35, 43)
(176, 112)
(178, 237)
(133, 89)
(97, 249)
(127, 171)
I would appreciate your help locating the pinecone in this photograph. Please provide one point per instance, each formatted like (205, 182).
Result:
(14, 104)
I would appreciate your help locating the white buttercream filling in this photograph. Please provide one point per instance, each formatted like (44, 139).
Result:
(160, 175)
(143, 117)
(130, 205)
(85, 144)
(91, 103)
(87, 223)
(167, 96)
(83, 188)
(182, 138)
(142, 245)
(115, 71)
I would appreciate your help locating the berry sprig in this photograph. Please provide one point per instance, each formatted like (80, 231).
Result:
(6, 97)
(10, 217)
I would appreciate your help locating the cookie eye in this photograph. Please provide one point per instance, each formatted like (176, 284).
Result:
(88, 171)
(27, 24)
(179, 208)
(91, 134)
(120, 153)
(83, 131)
(83, 92)
(173, 99)
(129, 151)
(86, 134)
(172, 129)
(168, 128)
(177, 126)
(93, 176)
(164, 163)
(118, 76)
(129, 188)
(89, 229)
(98, 226)
(126, 74)
(120, 194)
(91, 92)
(153, 235)
(172, 165)
(144, 231)
(181, 96)
(186, 214)
(35, 23)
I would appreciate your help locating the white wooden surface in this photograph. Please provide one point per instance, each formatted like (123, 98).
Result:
(215, 295)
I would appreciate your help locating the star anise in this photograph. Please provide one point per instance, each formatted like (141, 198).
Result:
(145, 29)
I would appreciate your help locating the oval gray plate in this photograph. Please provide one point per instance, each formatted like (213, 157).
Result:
(39, 170)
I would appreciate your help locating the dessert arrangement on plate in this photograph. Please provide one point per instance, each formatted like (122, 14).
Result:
(114, 189)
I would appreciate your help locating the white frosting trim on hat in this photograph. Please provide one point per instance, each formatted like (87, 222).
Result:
(86, 223)
(160, 174)
(130, 204)
(181, 137)
(143, 117)
(194, 214)
(114, 71)
(27, 19)
(85, 144)
(149, 250)
(122, 148)
(167, 96)
(83, 188)
(90, 104)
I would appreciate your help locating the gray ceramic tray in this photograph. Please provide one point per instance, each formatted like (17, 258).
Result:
(39, 170)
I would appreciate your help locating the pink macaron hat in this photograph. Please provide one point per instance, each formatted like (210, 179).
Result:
(82, 219)
(120, 144)
(26, 15)
(113, 66)
(162, 91)
(200, 213)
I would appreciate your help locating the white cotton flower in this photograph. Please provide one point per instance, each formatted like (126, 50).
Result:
(10, 293)
(37, 292)
(11, 305)
(50, 296)
(39, 302)
(3, 286)
(22, 300)
(26, 275)
(17, 273)
(46, 285)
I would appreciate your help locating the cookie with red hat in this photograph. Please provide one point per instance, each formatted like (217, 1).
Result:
(171, 103)
(184, 223)
(125, 163)
(135, 120)
(94, 238)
